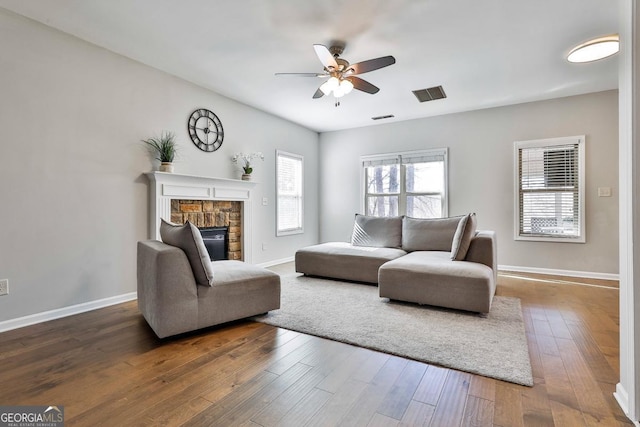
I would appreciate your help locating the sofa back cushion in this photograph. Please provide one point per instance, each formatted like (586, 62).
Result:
(380, 232)
(188, 238)
(462, 239)
(428, 234)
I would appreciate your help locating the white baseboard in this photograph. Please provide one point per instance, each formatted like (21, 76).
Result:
(276, 262)
(45, 316)
(554, 272)
(622, 397)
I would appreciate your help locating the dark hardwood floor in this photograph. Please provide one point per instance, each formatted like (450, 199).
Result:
(107, 368)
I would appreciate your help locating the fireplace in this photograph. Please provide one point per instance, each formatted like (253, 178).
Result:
(216, 239)
(213, 214)
(205, 202)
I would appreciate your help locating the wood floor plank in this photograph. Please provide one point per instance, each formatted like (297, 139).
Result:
(338, 404)
(431, 386)
(593, 356)
(450, 408)
(366, 405)
(417, 414)
(478, 412)
(397, 400)
(279, 407)
(536, 408)
(483, 388)
(508, 406)
(301, 413)
(590, 399)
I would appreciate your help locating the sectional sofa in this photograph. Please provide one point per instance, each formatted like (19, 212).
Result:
(442, 262)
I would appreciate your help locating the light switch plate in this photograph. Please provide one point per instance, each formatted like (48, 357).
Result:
(604, 191)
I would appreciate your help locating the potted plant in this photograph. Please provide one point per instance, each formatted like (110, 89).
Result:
(245, 162)
(164, 148)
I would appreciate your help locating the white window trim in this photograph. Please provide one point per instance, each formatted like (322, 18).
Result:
(581, 187)
(300, 230)
(399, 154)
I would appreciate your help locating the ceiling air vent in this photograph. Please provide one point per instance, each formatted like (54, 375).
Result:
(388, 116)
(430, 94)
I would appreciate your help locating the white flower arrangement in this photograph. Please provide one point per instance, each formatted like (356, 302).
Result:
(245, 160)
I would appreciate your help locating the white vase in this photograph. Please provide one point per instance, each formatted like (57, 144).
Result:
(246, 177)
(166, 167)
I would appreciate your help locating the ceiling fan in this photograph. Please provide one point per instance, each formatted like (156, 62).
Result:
(340, 74)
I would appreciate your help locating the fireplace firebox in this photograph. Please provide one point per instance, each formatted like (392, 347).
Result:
(216, 239)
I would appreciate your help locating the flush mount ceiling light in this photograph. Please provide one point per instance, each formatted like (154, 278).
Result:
(595, 49)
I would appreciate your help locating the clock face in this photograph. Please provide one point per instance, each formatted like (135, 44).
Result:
(205, 130)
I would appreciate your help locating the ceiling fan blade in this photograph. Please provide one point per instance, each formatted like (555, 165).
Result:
(318, 94)
(325, 56)
(372, 64)
(302, 75)
(363, 85)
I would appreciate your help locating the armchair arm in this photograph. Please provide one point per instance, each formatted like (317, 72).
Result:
(167, 292)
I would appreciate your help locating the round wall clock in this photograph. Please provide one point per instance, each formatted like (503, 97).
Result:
(205, 130)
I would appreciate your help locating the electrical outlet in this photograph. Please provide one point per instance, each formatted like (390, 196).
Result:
(265, 201)
(264, 246)
(4, 287)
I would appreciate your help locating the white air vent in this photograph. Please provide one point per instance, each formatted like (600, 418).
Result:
(388, 116)
(430, 94)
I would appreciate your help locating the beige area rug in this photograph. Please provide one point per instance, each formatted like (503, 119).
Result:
(492, 345)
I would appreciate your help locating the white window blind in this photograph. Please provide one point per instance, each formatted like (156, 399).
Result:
(550, 187)
(289, 193)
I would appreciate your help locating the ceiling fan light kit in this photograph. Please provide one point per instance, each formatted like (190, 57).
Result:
(595, 49)
(341, 76)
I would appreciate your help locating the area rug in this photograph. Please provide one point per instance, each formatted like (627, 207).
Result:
(492, 345)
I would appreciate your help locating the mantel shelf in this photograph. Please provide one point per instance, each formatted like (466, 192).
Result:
(166, 177)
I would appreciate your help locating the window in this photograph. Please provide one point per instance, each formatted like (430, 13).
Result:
(289, 193)
(550, 190)
(412, 184)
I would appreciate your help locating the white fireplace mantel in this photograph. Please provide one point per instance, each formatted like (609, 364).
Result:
(167, 186)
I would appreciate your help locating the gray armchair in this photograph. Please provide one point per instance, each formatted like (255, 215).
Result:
(172, 302)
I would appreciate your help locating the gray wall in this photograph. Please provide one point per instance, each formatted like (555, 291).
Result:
(481, 173)
(73, 200)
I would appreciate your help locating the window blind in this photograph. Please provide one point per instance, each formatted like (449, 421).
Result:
(424, 158)
(289, 188)
(549, 191)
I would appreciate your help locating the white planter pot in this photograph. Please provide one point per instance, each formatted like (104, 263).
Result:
(166, 167)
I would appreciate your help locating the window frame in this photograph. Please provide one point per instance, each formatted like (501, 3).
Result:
(403, 193)
(291, 231)
(550, 143)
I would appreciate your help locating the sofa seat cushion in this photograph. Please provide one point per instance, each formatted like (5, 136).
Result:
(341, 260)
(433, 278)
(239, 290)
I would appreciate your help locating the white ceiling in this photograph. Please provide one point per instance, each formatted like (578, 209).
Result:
(484, 53)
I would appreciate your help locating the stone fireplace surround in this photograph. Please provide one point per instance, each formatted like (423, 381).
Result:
(168, 188)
